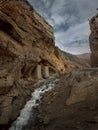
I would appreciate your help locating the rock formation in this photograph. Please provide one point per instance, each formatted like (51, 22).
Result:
(94, 41)
(27, 53)
(73, 105)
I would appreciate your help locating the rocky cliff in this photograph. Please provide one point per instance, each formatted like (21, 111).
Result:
(94, 41)
(73, 105)
(27, 53)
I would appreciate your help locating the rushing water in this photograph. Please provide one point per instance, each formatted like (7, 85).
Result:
(29, 109)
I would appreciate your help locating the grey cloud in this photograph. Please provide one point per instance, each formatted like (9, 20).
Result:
(69, 19)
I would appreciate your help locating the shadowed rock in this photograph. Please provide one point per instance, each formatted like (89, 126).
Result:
(94, 41)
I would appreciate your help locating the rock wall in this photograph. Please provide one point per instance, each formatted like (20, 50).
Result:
(94, 41)
(73, 104)
(26, 41)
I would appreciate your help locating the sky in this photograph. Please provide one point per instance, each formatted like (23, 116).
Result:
(70, 20)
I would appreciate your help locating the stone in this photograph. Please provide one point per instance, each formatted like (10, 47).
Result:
(46, 120)
(46, 71)
(38, 72)
(5, 115)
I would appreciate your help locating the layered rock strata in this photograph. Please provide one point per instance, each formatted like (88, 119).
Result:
(27, 53)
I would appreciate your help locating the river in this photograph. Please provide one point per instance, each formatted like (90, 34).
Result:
(28, 114)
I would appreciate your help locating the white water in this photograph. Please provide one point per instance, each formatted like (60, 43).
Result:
(25, 113)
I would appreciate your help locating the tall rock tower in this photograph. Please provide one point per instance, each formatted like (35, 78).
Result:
(94, 41)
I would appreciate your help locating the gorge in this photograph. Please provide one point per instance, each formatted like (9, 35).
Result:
(30, 65)
(28, 55)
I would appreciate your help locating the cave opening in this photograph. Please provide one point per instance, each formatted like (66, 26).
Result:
(6, 27)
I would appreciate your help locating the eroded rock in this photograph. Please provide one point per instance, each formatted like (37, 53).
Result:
(26, 42)
(73, 104)
(94, 41)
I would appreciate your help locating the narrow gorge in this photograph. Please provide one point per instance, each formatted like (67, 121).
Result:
(41, 86)
(28, 56)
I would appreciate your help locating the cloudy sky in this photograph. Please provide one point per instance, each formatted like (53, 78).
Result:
(70, 21)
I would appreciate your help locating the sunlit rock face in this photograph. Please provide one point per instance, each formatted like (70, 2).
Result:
(27, 54)
(94, 41)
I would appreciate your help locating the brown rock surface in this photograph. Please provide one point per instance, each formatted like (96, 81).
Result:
(78, 61)
(94, 41)
(73, 105)
(26, 40)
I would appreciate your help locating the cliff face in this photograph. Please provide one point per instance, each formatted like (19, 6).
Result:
(73, 105)
(27, 53)
(94, 41)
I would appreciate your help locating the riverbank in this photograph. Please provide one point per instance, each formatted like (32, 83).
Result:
(29, 115)
(73, 105)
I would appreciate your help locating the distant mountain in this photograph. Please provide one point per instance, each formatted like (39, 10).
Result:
(82, 60)
(84, 56)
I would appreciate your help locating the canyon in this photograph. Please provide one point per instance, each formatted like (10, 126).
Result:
(28, 55)
(29, 58)
(73, 104)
